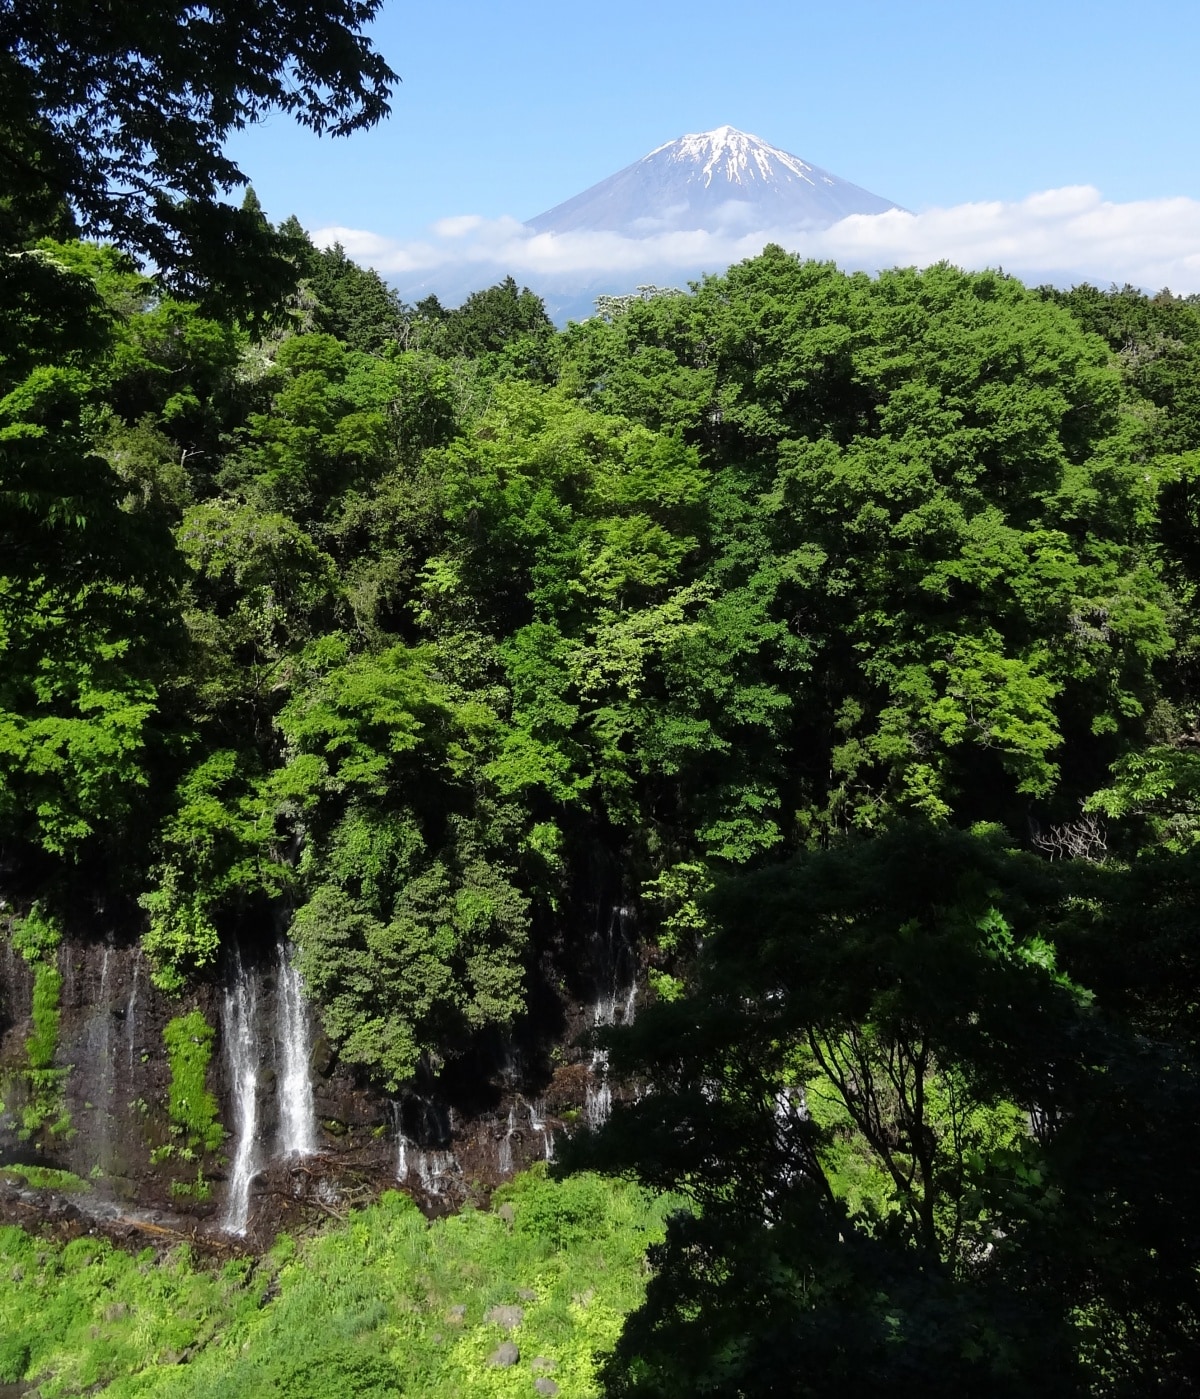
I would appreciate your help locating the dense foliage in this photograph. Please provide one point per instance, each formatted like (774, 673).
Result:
(849, 619)
(386, 1304)
(113, 119)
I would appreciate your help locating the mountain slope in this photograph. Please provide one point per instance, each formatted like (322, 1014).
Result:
(720, 181)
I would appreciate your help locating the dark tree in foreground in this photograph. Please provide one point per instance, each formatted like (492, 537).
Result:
(119, 114)
(925, 1160)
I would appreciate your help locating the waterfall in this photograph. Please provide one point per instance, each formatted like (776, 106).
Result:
(433, 1170)
(237, 1023)
(598, 1102)
(397, 1110)
(504, 1158)
(100, 1045)
(616, 1007)
(434, 1167)
(131, 1007)
(538, 1123)
(297, 1115)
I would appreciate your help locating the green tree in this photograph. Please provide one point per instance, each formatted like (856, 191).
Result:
(122, 115)
(927, 511)
(505, 326)
(902, 1122)
(86, 622)
(414, 933)
(354, 304)
(317, 437)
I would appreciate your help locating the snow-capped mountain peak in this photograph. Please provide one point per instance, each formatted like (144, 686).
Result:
(719, 180)
(736, 154)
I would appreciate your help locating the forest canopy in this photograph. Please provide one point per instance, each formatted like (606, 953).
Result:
(841, 627)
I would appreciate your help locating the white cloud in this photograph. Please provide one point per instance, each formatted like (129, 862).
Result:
(1063, 235)
(458, 226)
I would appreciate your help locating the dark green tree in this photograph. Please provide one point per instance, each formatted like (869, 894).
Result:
(503, 317)
(354, 303)
(87, 626)
(120, 115)
(924, 1158)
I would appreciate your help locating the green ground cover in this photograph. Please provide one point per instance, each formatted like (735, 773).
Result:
(385, 1304)
(45, 1178)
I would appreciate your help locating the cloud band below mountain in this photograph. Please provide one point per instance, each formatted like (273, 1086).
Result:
(1065, 236)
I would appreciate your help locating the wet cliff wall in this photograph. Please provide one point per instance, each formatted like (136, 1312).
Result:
(227, 1111)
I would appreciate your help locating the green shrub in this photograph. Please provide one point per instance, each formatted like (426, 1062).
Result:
(384, 1304)
(46, 1178)
(44, 1103)
(191, 1107)
(337, 1372)
(36, 936)
(562, 1213)
(14, 1358)
(42, 1045)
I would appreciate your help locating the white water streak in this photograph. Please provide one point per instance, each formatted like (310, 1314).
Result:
(131, 1007)
(539, 1124)
(504, 1161)
(297, 1114)
(619, 1006)
(238, 1026)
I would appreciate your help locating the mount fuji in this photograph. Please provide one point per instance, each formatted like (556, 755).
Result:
(715, 181)
(690, 206)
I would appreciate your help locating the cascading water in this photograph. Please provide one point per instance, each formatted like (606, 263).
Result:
(401, 1142)
(504, 1156)
(237, 1022)
(434, 1170)
(598, 1102)
(100, 1049)
(539, 1124)
(131, 1008)
(618, 1005)
(297, 1113)
(434, 1167)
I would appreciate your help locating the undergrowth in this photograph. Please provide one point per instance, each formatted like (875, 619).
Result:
(37, 937)
(191, 1105)
(45, 1178)
(387, 1304)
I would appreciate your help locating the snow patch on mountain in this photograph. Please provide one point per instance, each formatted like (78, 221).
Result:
(740, 153)
(697, 181)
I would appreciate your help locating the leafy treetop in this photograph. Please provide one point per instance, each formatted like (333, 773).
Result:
(120, 113)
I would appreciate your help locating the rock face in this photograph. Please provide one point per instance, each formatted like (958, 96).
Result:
(111, 1125)
(297, 1131)
(718, 181)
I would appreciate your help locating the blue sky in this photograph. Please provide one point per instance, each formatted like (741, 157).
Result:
(508, 109)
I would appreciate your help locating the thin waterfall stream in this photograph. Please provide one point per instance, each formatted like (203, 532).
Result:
(260, 1033)
(100, 1045)
(297, 1113)
(131, 1009)
(238, 1025)
(504, 1157)
(617, 1006)
(540, 1125)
